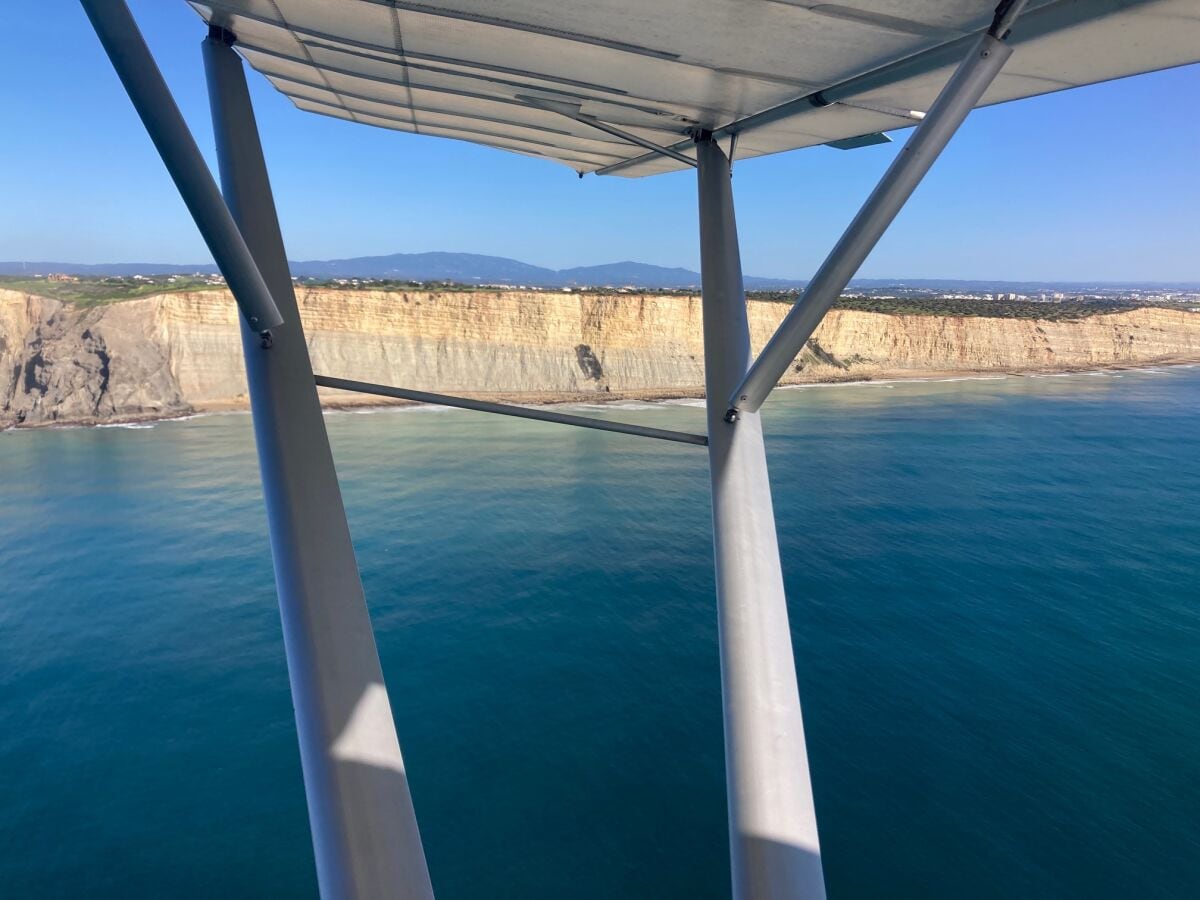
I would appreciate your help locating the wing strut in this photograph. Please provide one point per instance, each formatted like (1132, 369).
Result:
(131, 58)
(957, 99)
(774, 849)
(364, 830)
(365, 836)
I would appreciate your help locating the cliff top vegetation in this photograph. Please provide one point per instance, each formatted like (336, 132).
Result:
(82, 291)
(95, 291)
(1055, 311)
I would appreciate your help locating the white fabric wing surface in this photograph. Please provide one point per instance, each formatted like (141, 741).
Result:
(781, 74)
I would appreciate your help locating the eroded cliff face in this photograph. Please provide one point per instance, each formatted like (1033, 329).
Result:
(177, 353)
(59, 364)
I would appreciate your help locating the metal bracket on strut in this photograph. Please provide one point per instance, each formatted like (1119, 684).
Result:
(221, 35)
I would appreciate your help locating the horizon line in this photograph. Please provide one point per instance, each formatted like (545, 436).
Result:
(59, 267)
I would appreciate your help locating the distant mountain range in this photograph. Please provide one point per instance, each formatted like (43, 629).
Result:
(464, 268)
(475, 268)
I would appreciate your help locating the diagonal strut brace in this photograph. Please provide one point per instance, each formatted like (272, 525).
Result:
(131, 58)
(505, 409)
(572, 111)
(964, 89)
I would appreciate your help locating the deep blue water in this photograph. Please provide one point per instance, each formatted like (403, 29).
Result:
(995, 608)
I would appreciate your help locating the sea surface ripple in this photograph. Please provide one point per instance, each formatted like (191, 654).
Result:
(995, 610)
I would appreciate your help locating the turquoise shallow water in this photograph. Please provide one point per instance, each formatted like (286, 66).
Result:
(995, 607)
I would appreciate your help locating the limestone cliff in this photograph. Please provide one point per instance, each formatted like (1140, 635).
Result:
(177, 353)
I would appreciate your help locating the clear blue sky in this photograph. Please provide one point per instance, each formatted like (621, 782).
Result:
(1097, 183)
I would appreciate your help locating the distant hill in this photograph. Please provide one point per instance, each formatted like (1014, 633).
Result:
(640, 274)
(464, 268)
(475, 268)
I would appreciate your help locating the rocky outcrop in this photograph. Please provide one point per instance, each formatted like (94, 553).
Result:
(177, 353)
(59, 364)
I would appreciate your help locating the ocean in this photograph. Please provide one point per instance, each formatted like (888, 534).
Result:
(995, 610)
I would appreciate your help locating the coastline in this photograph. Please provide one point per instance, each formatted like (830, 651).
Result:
(179, 354)
(332, 400)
